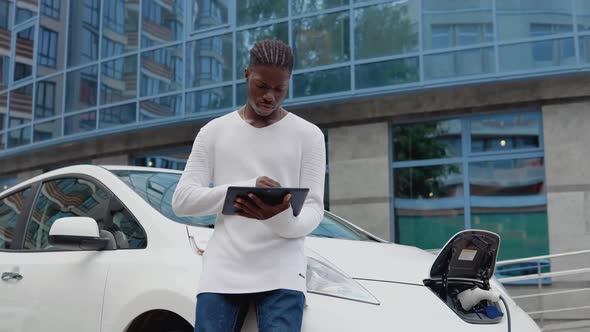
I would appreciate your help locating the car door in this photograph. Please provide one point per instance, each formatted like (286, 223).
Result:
(61, 290)
(13, 208)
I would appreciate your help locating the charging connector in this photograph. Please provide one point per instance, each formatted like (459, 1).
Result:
(475, 295)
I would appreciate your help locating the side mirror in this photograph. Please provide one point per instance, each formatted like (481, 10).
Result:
(78, 233)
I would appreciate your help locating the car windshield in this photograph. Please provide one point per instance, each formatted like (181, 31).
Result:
(157, 189)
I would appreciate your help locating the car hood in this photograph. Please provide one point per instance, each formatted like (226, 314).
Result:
(375, 261)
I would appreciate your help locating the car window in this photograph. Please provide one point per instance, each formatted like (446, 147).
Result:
(157, 189)
(125, 228)
(11, 208)
(67, 197)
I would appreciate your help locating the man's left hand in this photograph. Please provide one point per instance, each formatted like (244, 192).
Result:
(255, 208)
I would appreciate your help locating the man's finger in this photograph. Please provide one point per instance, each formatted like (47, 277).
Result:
(246, 207)
(259, 203)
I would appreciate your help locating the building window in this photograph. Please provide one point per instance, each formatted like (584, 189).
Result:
(4, 14)
(114, 15)
(90, 12)
(50, 8)
(484, 172)
(45, 104)
(48, 48)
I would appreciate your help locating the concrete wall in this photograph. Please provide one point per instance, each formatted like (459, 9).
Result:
(359, 176)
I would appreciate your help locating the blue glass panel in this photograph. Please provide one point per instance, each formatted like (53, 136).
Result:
(308, 6)
(460, 63)
(321, 40)
(23, 64)
(80, 123)
(427, 140)
(503, 133)
(585, 49)
(51, 50)
(118, 80)
(81, 89)
(583, 13)
(19, 137)
(47, 130)
(25, 10)
(117, 116)
(384, 73)
(321, 82)
(48, 100)
(386, 29)
(209, 61)
(210, 13)
(2, 142)
(83, 32)
(21, 106)
(3, 111)
(448, 23)
(429, 204)
(120, 20)
(241, 94)
(533, 18)
(247, 38)
(255, 11)
(160, 108)
(508, 197)
(161, 70)
(540, 54)
(209, 100)
(162, 21)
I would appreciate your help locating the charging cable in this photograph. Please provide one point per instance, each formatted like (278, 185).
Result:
(507, 313)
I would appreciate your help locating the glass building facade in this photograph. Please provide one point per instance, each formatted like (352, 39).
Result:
(75, 69)
(71, 69)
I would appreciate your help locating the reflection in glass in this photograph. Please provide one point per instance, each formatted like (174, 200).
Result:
(386, 29)
(160, 108)
(532, 18)
(81, 89)
(120, 21)
(428, 204)
(540, 54)
(448, 23)
(11, 208)
(506, 132)
(427, 140)
(162, 21)
(247, 38)
(583, 13)
(321, 40)
(19, 137)
(21, 106)
(47, 130)
(477, 61)
(209, 61)
(51, 47)
(118, 80)
(161, 70)
(5, 42)
(3, 110)
(321, 82)
(23, 63)
(2, 141)
(209, 13)
(584, 49)
(83, 32)
(80, 123)
(508, 197)
(255, 11)
(385, 73)
(308, 6)
(241, 94)
(25, 10)
(209, 100)
(48, 97)
(117, 116)
(69, 197)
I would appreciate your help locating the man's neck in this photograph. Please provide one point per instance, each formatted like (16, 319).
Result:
(255, 120)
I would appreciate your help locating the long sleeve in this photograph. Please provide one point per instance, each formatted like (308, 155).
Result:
(192, 196)
(312, 176)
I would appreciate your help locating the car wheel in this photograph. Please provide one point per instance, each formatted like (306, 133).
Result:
(160, 321)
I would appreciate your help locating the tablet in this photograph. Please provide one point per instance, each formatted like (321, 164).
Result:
(272, 196)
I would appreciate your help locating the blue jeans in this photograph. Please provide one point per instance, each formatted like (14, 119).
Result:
(279, 310)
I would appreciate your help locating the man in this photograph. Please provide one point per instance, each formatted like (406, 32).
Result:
(257, 256)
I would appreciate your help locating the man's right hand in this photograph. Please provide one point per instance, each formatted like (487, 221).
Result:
(266, 182)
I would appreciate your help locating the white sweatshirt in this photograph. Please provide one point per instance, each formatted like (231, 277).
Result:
(248, 255)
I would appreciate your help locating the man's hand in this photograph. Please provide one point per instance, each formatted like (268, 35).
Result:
(255, 208)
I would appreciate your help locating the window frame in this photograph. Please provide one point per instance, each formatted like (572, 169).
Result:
(36, 190)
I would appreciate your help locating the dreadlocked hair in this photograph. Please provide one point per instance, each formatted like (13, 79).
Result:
(273, 53)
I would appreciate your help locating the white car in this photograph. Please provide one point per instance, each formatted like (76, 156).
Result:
(90, 248)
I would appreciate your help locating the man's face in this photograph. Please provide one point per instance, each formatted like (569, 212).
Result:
(267, 88)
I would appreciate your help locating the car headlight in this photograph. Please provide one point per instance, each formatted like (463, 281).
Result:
(324, 279)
